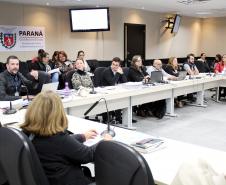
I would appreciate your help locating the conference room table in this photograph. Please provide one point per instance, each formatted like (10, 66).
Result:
(164, 163)
(125, 96)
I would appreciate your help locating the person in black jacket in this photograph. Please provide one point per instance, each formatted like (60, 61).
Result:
(202, 64)
(61, 153)
(111, 76)
(11, 81)
(114, 74)
(172, 67)
(42, 66)
(137, 72)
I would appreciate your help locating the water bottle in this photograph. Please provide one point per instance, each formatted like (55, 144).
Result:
(66, 90)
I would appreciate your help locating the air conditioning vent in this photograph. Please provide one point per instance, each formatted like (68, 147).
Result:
(189, 2)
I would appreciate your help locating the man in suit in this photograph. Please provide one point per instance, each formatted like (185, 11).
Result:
(11, 81)
(111, 76)
(202, 64)
(114, 74)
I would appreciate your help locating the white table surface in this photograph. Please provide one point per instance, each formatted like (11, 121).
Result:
(163, 163)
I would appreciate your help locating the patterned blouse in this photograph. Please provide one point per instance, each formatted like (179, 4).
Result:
(81, 78)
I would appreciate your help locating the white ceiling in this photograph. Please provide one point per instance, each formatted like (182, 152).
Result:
(206, 8)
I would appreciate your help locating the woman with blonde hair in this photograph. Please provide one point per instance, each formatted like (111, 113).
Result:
(60, 152)
(172, 67)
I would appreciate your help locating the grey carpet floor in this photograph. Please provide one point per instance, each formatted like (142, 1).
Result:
(196, 125)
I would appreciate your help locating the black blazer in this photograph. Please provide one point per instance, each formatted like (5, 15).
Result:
(109, 79)
(61, 156)
(136, 76)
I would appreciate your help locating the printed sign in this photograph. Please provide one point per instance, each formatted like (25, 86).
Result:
(21, 38)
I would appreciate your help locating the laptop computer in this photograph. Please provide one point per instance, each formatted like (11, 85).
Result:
(182, 75)
(50, 87)
(156, 76)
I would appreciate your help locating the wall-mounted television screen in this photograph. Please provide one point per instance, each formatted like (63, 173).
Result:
(176, 24)
(89, 19)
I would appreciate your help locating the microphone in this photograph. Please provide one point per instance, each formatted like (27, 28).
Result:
(93, 91)
(91, 108)
(11, 110)
(109, 130)
(26, 89)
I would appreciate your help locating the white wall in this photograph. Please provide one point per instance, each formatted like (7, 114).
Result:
(103, 45)
(214, 36)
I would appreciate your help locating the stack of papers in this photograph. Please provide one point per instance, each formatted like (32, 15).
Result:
(148, 145)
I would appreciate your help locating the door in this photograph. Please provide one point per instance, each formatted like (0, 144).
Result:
(134, 41)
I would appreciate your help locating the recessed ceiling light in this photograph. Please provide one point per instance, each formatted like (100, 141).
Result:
(47, 4)
(97, 6)
(142, 8)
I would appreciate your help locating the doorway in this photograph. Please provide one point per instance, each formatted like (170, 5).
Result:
(134, 41)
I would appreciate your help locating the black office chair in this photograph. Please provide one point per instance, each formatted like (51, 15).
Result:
(119, 164)
(19, 163)
(68, 77)
(126, 71)
(98, 73)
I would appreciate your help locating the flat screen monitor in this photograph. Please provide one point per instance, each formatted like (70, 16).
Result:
(176, 24)
(89, 19)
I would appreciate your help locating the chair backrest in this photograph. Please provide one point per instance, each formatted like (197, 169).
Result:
(19, 161)
(2, 67)
(119, 164)
(98, 74)
(126, 71)
(68, 77)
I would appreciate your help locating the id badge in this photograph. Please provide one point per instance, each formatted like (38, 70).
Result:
(16, 93)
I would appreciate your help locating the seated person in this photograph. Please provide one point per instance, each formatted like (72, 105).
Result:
(42, 64)
(81, 55)
(202, 64)
(63, 63)
(61, 153)
(114, 74)
(220, 68)
(172, 67)
(111, 76)
(11, 81)
(65, 66)
(137, 72)
(40, 51)
(190, 66)
(157, 66)
(80, 77)
(192, 70)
